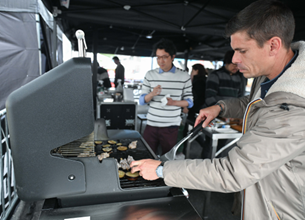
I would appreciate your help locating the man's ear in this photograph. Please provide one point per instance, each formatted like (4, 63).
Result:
(173, 57)
(275, 43)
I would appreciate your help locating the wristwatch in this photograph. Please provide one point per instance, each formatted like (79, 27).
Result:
(159, 170)
(221, 109)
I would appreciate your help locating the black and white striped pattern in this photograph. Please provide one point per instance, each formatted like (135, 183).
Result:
(178, 85)
(222, 85)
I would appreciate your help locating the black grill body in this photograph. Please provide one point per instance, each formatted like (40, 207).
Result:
(103, 184)
(54, 110)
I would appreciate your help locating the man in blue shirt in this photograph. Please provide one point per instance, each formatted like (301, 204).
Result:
(166, 89)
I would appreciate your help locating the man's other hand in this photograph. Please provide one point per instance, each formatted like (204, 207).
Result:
(208, 114)
(170, 101)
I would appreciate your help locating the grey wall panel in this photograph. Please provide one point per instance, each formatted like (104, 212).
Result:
(19, 63)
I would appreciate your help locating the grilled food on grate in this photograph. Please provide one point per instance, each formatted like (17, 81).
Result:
(107, 149)
(98, 142)
(101, 156)
(132, 176)
(121, 174)
(122, 148)
(133, 145)
(124, 164)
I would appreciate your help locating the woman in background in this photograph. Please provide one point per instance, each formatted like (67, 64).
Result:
(198, 77)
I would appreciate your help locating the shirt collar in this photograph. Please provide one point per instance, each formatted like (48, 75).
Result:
(173, 70)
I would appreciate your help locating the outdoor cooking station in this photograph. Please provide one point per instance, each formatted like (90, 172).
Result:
(51, 122)
(103, 182)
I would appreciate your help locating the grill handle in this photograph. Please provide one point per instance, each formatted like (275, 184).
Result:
(196, 129)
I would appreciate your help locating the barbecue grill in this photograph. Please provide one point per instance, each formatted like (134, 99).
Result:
(103, 183)
(53, 134)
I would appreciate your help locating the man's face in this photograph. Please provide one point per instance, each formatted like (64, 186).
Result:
(251, 60)
(164, 60)
(231, 67)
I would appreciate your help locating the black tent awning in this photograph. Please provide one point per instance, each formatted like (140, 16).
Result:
(121, 26)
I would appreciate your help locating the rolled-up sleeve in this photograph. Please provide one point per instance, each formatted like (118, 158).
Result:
(191, 103)
(142, 99)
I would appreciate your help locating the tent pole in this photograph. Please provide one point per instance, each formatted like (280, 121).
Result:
(186, 57)
(94, 70)
(39, 43)
(54, 43)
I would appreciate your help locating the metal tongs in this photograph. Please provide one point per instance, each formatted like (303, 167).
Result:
(171, 155)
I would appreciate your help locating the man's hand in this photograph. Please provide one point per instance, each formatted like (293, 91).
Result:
(147, 168)
(207, 113)
(185, 110)
(170, 101)
(179, 103)
(156, 90)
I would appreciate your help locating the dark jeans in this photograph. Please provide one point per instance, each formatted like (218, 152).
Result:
(164, 136)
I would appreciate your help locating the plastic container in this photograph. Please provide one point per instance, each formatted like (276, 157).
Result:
(119, 87)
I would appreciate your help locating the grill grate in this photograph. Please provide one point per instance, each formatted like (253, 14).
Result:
(83, 147)
(86, 145)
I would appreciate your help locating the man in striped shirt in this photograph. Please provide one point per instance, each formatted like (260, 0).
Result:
(163, 118)
(226, 82)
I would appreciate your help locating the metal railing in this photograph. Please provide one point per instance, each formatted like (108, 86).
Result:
(8, 192)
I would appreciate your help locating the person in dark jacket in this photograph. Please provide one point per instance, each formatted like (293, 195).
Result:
(226, 82)
(119, 71)
(102, 74)
(198, 77)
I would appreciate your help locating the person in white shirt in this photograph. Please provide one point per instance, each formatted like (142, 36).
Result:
(175, 87)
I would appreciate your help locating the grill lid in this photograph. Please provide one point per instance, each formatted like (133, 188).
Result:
(52, 110)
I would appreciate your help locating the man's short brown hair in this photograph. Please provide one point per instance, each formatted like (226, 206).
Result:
(263, 20)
